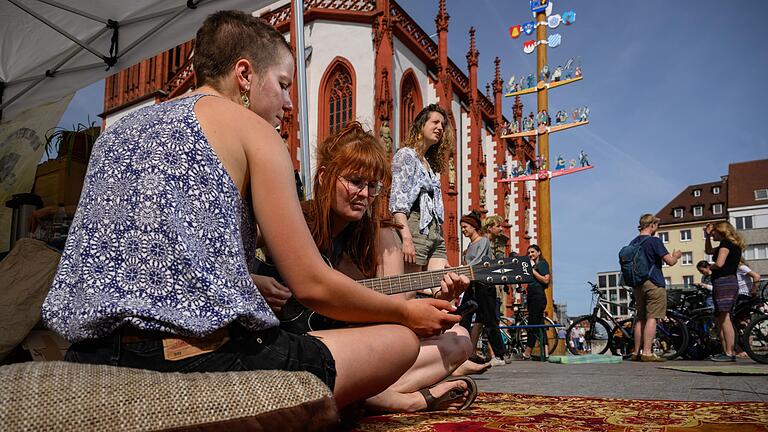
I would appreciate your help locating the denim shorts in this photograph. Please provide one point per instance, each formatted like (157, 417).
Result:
(271, 349)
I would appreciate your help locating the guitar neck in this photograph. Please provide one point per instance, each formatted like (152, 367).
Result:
(413, 281)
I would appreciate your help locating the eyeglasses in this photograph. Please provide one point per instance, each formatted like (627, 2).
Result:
(356, 185)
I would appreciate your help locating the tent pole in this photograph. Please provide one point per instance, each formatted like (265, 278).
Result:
(58, 29)
(154, 30)
(301, 76)
(74, 11)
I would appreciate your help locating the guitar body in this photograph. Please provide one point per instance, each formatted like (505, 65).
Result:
(298, 319)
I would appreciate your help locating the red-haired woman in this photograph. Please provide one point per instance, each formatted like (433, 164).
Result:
(345, 220)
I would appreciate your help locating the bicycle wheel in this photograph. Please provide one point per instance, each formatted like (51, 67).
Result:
(671, 338)
(588, 335)
(547, 321)
(623, 342)
(512, 345)
(741, 320)
(755, 340)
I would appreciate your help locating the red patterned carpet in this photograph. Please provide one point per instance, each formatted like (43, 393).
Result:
(511, 412)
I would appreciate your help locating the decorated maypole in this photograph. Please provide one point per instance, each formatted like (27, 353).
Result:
(541, 126)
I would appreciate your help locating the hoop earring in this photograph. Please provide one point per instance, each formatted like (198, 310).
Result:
(245, 99)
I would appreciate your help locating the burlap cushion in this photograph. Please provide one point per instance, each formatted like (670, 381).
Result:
(60, 396)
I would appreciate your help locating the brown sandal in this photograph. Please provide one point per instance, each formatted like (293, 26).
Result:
(433, 403)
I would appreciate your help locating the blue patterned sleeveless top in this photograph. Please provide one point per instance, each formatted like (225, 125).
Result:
(161, 238)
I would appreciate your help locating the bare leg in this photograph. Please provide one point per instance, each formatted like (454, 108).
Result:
(437, 263)
(438, 357)
(649, 334)
(637, 334)
(728, 334)
(470, 368)
(368, 359)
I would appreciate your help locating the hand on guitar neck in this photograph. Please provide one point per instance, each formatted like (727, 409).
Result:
(298, 319)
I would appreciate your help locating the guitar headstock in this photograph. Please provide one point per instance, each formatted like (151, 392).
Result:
(499, 271)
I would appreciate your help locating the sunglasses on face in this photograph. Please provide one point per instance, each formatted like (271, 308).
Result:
(356, 185)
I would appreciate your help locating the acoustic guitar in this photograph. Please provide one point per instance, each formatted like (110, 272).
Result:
(297, 318)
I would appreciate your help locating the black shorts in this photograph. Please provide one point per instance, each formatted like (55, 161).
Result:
(271, 349)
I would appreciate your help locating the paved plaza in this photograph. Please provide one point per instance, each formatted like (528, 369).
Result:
(626, 380)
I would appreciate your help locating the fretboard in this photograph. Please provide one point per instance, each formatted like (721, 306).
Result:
(413, 281)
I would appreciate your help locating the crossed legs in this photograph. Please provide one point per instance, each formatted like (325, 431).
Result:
(438, 357)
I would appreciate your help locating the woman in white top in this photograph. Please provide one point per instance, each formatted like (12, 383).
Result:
(748, 281)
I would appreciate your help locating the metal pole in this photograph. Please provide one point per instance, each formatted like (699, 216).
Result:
(542, 197)
(301, 76)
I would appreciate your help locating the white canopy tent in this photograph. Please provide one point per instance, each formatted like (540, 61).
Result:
(49, 49)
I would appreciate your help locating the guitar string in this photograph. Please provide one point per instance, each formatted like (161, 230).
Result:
(395, 284)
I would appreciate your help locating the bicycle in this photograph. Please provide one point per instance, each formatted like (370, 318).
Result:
(598, 336)
(704, 337)
(755, 339)
(514, 340)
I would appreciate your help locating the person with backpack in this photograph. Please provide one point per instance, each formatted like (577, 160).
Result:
(641, 262)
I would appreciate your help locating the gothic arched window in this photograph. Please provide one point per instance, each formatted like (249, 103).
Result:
(410, 102)
(337, 97)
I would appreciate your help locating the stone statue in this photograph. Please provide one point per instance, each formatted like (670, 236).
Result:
(451, 173)
(583, 158)
(507, 206)
(385, 135)
(481, 190)
(544, 74)
(560, 163)
(527, 220)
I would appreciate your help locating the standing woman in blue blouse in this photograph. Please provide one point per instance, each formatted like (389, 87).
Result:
(416, 200)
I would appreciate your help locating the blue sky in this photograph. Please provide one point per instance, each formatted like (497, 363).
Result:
(676, 92)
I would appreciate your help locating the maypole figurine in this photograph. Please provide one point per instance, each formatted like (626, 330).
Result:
(557, 73)
(511, 85)
(543, 118)
(515, 170)
(583, 159)
(561, 117)
(530, 81)
(573, 163)
(528, 168)
(544, 74)
(560, 163)
(528, 123)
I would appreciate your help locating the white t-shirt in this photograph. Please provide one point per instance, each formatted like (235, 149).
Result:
(745, 282)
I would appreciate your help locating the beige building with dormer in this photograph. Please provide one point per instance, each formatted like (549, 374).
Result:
(681, 227)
